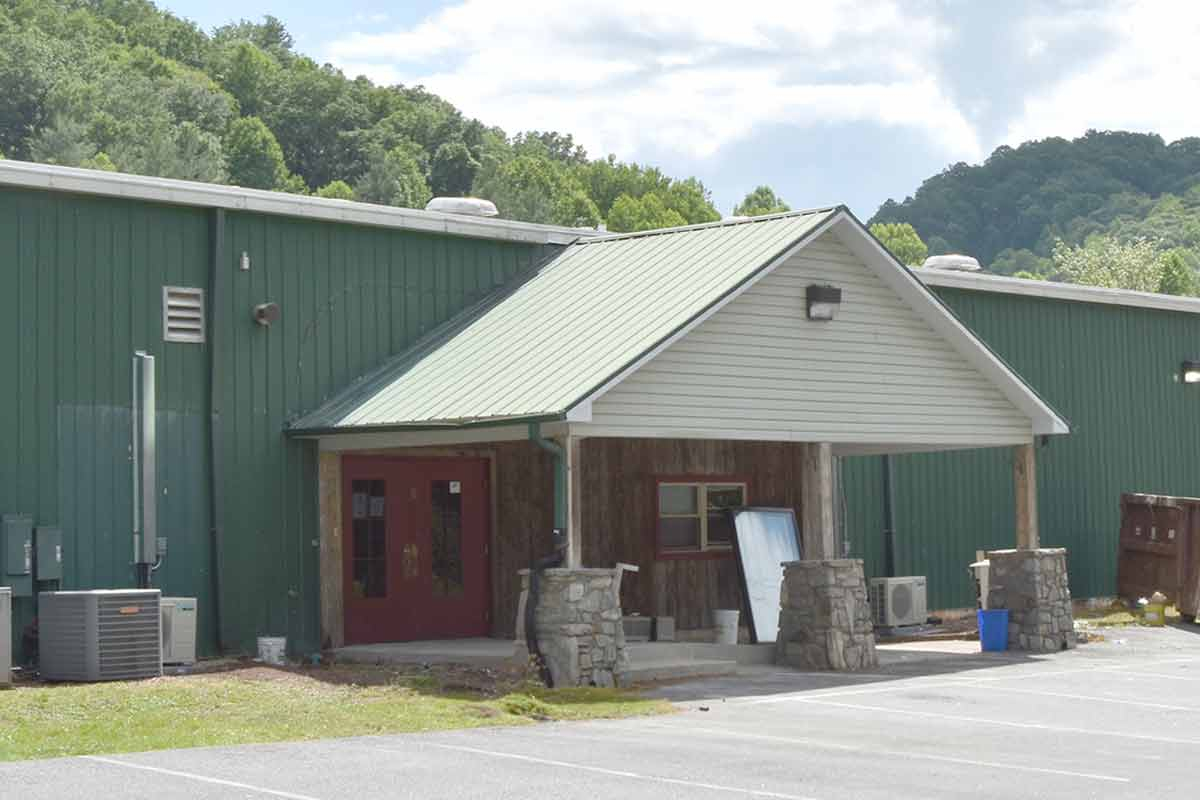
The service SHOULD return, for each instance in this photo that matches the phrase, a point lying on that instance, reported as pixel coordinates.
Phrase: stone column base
(825, 616)
(1033, 586)
(578, 625)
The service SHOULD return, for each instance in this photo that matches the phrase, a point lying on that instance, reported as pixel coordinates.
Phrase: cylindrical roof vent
(469, 206)
(953, 261)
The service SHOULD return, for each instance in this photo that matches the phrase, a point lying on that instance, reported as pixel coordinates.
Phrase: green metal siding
(350, 298)
(1111, 371)
(80, 290)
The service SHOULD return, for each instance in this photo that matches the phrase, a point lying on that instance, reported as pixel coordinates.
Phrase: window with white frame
(692, 516)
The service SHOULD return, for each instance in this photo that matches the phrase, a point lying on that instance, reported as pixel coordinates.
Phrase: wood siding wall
(619, 510)
(618, 519)
(758, 369)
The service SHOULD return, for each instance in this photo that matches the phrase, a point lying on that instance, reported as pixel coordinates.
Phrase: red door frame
(409, 610)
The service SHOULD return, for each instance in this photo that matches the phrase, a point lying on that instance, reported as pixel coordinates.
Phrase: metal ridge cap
(721, 223)
(236, 198)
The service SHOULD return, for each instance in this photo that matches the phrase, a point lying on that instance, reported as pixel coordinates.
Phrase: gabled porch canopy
(551, 345)
(702, 333)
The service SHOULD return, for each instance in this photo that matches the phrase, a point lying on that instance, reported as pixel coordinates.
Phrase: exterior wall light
(823, 302)
(1190, 370)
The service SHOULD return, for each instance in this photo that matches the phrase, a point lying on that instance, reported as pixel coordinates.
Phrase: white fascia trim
(1044, 420)
(235, 198)
(385, 440)
(729, 298)
(1051, 290)
(847, 445)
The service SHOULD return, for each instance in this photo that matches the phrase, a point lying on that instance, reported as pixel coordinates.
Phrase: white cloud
(1146, 80)
(684, 77)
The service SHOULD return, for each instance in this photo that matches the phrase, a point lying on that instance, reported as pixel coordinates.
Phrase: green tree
(762, 200)
(393, 178)
(63, 142)
(1106, 261)
(30, 65)
(336, 190)
(452, 170)
(644, 213)
(1178, 277)
(536, 189)
(902, 241)
(253, 156)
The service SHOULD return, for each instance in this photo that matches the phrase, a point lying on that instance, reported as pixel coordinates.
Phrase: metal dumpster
(1159, 549)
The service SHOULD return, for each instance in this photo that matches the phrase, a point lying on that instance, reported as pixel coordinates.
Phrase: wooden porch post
(574, 503)
(1025, 483)
(816, 499)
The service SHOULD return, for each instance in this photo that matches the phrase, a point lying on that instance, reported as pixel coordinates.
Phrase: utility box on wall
(17, 532)
(48, 554)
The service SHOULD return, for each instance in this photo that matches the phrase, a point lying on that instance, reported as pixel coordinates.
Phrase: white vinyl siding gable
(759, 369)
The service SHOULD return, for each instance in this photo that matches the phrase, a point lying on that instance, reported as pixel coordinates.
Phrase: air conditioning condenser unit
(898, 601)
(100, 635)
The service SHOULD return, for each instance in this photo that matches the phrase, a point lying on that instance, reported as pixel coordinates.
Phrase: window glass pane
(675, 498)
(368, 512)
(446, 535)
(679, 533)
(720, 530)
(725, 497)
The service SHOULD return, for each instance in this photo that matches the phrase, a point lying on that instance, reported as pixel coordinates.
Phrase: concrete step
(650, 671)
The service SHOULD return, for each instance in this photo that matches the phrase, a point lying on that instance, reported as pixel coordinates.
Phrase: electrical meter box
(17, 532)
(48, 553)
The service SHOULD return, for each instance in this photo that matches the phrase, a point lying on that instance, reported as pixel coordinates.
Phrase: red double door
(415, 550)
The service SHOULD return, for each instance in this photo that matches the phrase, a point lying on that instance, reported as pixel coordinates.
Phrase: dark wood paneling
(619, 477)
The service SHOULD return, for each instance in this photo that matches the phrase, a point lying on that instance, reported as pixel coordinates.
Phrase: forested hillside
(1111, 189)
(120, 84)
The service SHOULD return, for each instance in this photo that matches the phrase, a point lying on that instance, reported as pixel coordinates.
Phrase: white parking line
(614, 772)
(202, 778)
(875, 751)
(1002, 723)
(1092, 698)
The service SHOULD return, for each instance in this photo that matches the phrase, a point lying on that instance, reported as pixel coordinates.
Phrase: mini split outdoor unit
(100, 635)
(898, 601)
(179, 630)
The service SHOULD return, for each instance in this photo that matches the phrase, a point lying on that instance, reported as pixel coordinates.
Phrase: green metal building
(86, 259)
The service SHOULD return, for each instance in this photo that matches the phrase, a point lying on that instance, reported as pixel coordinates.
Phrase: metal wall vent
(183, 314)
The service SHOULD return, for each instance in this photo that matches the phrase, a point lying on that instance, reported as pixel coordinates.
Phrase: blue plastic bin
(993, 629)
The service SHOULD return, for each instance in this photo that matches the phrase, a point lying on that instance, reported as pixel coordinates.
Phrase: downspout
(556, 557)
(216, 298)
(889, 519)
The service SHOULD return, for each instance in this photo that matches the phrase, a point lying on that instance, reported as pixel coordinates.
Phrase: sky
(827, 101)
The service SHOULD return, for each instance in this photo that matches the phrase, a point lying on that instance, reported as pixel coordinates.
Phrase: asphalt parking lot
(1119, 718)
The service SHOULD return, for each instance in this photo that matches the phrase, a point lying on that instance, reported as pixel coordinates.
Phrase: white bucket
(726, 622)
(272, 650)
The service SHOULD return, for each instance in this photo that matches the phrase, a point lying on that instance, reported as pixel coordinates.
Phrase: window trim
(693, 480)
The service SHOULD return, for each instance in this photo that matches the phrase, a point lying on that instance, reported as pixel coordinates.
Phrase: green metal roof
(543, 346)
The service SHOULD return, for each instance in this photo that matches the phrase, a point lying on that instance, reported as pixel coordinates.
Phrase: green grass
(44, 721)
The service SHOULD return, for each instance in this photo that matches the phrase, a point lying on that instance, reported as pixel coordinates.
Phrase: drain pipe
(555, 558)
(216, 507)
(889, 519)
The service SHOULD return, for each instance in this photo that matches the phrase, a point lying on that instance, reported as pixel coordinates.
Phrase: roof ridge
(721, 223)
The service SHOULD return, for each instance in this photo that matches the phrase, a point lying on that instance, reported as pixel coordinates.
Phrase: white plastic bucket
(726, 622)
(272, 650)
